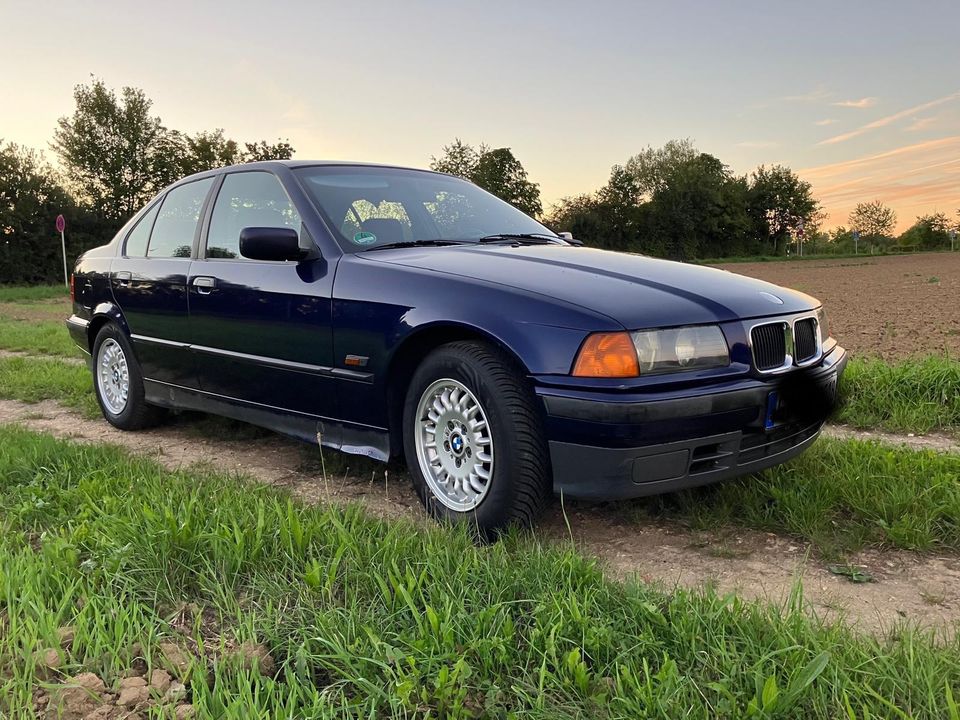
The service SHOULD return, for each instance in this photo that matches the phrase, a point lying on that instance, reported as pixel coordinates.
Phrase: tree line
(114, 156)
(674, 201)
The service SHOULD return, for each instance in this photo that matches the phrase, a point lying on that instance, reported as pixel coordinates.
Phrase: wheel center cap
(456, 442)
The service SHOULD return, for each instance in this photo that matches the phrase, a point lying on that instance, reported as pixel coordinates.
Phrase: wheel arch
(412, 351)
(102, 314)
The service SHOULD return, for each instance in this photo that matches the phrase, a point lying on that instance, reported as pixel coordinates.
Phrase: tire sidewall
(493, 511)
(127, 419)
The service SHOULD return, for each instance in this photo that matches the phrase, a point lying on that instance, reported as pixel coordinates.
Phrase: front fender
(378, 308)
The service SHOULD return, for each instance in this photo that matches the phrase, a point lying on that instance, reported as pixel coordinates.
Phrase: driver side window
(247, 199)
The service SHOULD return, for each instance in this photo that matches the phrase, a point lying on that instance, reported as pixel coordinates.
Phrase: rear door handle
(123, 278)
(204, 284)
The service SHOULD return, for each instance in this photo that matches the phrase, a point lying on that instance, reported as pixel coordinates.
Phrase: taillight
(73, 293)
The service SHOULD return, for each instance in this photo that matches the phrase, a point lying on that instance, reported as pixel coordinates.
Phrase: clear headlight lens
(689, 348)
(822, 322)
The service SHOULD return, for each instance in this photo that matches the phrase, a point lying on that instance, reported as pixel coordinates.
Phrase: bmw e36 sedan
(397, 312)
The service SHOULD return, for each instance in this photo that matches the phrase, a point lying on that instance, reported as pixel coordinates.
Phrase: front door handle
(204, 284)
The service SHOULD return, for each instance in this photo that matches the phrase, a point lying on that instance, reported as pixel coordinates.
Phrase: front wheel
(118, 382)
(474, 440)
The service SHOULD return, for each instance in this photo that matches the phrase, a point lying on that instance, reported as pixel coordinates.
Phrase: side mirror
(271, 243)
(568, 236)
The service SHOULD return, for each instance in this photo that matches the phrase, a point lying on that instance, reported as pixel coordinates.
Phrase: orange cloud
(861, 103)
(884, 121)
(913, 180)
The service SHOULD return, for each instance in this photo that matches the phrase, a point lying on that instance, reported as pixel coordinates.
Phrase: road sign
(953, 237)
(61, 226)
(856, 242)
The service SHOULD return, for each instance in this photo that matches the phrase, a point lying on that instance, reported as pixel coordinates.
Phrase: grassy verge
(39, 337)
(24, 293)
(35, 379)
(918, 395)
(842, 495)
(375, 619)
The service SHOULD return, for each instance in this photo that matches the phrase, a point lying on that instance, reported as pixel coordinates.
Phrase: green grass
(918, 395)
(842, 495)
(367, 618)
(35, 379)
(31, 293)
(39, 337)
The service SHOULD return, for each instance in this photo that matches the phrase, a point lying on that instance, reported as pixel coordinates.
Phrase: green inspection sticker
(364, 238)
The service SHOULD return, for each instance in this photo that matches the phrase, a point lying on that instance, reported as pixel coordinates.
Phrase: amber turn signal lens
(607, 355)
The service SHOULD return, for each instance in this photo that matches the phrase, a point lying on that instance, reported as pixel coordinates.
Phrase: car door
(261, 331)
(149, 282)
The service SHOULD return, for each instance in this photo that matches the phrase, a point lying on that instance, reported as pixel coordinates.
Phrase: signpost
(953, 237)
(856, 242)
(61, 226)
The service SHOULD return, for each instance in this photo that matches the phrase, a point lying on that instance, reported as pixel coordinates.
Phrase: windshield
(368, 207)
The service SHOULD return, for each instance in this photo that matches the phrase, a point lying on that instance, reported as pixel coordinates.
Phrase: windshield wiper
(529, 238)
(414, 243)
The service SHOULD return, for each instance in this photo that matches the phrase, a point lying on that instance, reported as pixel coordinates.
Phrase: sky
(861, 98)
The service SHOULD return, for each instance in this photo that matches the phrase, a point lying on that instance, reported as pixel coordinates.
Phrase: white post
(63, 247)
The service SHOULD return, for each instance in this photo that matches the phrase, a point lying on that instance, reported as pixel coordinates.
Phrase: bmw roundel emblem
(771, 297)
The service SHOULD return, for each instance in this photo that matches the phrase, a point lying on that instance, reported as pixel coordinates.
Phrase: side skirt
(372, 442)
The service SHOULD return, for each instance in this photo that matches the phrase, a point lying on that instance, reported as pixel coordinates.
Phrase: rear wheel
(118, 382)
(474, 440)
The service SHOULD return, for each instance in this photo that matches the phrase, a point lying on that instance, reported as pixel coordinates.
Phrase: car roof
(273, 164)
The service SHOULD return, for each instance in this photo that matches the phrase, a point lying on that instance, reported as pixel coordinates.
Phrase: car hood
(635, 290)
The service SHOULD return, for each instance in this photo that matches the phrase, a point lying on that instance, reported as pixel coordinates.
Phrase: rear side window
(176, 224)
(247, 199)
(137, 239)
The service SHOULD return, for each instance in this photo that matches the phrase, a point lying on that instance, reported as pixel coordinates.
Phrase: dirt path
(933, 441)
(920, 589)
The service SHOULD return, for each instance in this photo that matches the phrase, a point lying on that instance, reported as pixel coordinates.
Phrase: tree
(929, 232)
(874, 220)
(114, 152)
(500, 173)
(652, 168)
(31, 197)
(262, 150)
(780, 204)
(458, 158)
(497, 171)
(206, 151)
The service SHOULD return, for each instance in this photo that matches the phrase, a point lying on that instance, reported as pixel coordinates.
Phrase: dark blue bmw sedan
(387, 311)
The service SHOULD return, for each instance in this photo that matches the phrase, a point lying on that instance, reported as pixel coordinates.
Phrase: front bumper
(609, 449)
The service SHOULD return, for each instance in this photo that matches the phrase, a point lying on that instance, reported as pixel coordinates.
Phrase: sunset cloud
(861, 103)
(913, 179)
(920, 124)
(825, 121)
(815, 95)
(889, 119)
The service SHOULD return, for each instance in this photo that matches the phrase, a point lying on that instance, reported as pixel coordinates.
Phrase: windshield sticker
(364, 238)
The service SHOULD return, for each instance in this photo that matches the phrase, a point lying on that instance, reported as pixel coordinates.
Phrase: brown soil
(920, 589)
(891, 307)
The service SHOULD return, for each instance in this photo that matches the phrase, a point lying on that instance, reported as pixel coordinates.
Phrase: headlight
(689, 348)
(822, 322)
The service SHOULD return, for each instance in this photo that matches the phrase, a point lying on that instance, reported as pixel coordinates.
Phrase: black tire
(520, 483)
(137, 414)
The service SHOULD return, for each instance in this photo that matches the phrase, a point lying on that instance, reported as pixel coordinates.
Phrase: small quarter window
(248, 199)
(176, 224)
(138, 237)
